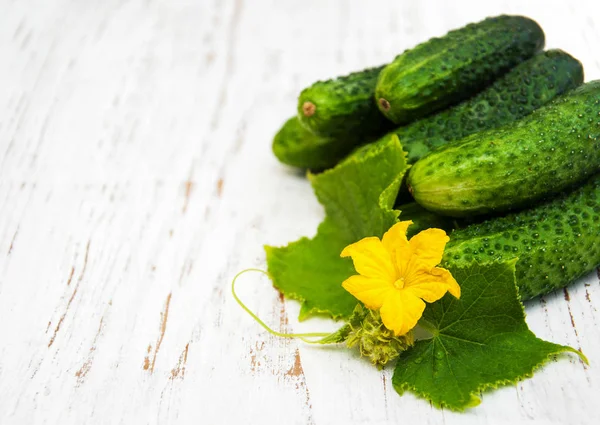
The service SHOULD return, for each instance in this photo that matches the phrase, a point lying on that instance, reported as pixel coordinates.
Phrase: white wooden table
(136, 179)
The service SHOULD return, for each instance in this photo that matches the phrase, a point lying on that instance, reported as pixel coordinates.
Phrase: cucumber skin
(296, 146)
(446, 70)
(515, 165)
(344, 106)
(516, 94)
(556, 242)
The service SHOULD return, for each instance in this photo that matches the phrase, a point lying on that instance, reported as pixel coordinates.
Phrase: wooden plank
(136, 179)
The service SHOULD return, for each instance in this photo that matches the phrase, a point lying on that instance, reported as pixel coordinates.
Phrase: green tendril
(302, 336)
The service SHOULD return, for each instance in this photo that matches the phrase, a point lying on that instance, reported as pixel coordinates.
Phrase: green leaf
(358, 196)
(479, 341)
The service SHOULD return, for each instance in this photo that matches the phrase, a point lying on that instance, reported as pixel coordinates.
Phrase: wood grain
(136, 179)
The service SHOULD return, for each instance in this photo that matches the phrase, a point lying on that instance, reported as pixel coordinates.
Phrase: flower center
(399, 283)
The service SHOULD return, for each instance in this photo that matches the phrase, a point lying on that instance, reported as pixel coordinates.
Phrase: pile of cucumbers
(500, 134)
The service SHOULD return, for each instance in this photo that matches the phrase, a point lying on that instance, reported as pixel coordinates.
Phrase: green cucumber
(446, 70)
(516, 94)
(556, 242)
(343, 107)
(299, 147)
(515, 165)
(296, 146)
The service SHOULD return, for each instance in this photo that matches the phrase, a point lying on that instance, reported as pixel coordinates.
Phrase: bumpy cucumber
(516, 94)
(296, 146)
(343, 107)
(446, 70)
(517, 164)
(555, 242)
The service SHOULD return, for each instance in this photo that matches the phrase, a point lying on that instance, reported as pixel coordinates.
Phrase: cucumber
(446, 70)
(516, 94)
(510, 167)
(296, 146)
(556, 242)
(343, 107)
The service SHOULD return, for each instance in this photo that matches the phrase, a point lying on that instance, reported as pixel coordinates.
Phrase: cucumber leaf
(358, 196)
(479, 341)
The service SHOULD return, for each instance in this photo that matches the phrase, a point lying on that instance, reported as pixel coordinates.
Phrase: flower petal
(453, 286)
(395, 241)
(371, 259)
(401, 311)
(431, 285)
(396, 236)
(372, 292)
(429, 246)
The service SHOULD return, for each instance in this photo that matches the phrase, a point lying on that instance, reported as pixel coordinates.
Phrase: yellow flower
(396, 275)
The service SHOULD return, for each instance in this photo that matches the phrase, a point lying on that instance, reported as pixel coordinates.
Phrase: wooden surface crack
(82, 372)
(179, 370)
(164, 317)
(12, 241)
(73, 294)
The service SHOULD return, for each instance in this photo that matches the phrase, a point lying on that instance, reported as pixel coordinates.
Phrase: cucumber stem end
(385, 105)
(308, 108)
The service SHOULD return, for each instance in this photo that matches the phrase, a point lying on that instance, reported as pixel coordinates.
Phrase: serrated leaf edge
(475, 400)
